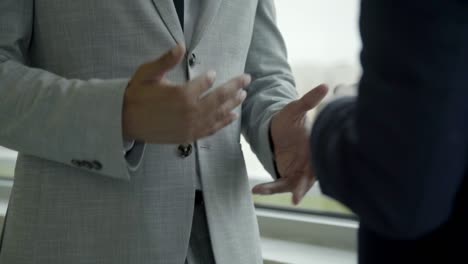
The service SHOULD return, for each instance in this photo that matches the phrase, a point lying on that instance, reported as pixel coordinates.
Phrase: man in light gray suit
(144, 169)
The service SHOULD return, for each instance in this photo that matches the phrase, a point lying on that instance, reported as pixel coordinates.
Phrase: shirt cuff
(128, 145)
(272, 147)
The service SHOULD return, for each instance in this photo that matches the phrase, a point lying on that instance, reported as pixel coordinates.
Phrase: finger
(201, 84)
(156, 69)
(219, 125)
(227, 108)
(227, 92)
(308, 181)
(302, 187)
(279, 186)
(311, 99)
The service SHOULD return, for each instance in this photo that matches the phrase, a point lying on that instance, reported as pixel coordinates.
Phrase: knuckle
(223, 95)
(225, 112)
(239, 82)
(221, 113)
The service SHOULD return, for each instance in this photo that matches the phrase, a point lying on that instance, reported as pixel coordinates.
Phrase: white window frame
(303, 236)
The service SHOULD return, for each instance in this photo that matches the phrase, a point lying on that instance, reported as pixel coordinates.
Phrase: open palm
(291, 138)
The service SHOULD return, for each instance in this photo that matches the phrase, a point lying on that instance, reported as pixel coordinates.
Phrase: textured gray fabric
(192, 13)
(64, 66)
(200, 250)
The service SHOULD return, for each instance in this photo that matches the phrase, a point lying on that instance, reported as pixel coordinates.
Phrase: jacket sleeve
(272, 87)
(58, 119)
(396, 155)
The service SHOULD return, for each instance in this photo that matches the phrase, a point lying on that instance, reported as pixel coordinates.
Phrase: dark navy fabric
(397, 155)
(179, 5)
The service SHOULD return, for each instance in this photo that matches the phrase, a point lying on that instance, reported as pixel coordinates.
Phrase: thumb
(159, 67)
(312, 98)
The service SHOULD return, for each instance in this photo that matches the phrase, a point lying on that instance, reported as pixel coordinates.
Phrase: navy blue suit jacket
(397, 155)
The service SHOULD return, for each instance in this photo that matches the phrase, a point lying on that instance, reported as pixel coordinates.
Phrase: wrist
(272, 147)
(127, 119)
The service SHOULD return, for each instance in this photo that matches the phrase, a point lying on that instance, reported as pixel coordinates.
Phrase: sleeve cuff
(324, 138)
(103, 132)
(276, 174)
(133, 152)
(134, 156)
(264, 146)
(128, 145)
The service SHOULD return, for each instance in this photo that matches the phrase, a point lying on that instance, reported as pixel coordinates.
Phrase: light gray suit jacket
(64, 67)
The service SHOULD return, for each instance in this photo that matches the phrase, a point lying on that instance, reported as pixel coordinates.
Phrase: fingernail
(294, 201)
(211, 75)
(324, 88)
(242, 95)
(247, 79)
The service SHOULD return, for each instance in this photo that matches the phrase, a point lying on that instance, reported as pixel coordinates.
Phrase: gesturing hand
(157, 111)
(291, 138)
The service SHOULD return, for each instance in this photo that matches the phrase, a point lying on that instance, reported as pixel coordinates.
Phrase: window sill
(5, 189)
(280, 251)
(305, 238)
(7, 163)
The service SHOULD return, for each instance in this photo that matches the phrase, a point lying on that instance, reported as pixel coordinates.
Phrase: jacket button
(86, 164)
(76, 163)
(185, 150)
(192, 60)
(97, 165)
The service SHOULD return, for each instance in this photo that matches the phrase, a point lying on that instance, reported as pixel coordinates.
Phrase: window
(323, 44)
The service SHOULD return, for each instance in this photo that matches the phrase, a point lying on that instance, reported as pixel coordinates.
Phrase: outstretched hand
(291, 138)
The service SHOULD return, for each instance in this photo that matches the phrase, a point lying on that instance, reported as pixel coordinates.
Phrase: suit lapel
(208, 12)
(168, 13)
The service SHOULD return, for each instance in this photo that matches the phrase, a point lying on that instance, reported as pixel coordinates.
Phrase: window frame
(314, 230)
(308, 229)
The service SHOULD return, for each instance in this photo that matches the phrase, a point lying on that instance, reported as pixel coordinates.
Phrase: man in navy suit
(397, 154)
